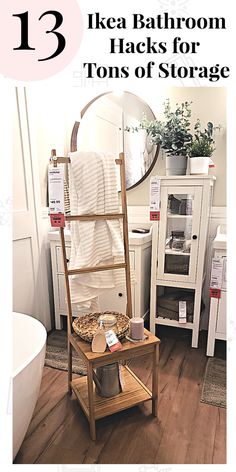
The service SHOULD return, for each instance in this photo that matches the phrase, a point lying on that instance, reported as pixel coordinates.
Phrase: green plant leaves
(203, 143)
(173, 134)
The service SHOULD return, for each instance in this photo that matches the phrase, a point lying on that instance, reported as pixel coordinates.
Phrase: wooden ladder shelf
(136, 392)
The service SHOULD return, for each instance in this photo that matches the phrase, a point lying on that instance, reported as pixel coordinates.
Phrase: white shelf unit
(218, 311)
(114, 299)
(177, 268)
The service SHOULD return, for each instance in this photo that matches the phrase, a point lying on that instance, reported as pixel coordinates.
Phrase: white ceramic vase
(199, 165)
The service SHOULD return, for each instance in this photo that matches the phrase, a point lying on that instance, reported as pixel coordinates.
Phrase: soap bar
(137, 328)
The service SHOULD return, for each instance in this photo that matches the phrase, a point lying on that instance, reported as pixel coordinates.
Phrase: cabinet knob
(67, 260)
(194, 236)
(120, 294)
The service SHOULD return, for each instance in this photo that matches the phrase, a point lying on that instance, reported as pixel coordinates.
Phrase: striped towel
(93, 190)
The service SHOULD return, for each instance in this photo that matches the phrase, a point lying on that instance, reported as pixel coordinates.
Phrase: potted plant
(173, 135)
(201, 149)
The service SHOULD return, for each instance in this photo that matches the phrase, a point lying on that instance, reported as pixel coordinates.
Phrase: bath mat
(56, 353)
(214, 384)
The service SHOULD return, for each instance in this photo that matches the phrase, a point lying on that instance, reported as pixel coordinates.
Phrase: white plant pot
(199, 165)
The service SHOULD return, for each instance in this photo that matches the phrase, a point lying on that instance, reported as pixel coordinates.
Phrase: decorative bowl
(87, 325)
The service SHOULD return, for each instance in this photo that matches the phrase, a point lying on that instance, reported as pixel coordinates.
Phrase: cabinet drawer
(221, 315)
(59, 258)
(113, 300)
(116, 300)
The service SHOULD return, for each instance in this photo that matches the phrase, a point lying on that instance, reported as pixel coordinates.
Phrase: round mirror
(109, 124)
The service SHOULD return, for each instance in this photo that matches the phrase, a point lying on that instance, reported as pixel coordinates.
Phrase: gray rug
(56, 354)
(214, 384)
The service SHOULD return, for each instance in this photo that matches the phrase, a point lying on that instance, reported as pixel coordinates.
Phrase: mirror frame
(74, 135)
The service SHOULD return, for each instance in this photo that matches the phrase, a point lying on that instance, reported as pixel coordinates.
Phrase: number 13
(24, 32)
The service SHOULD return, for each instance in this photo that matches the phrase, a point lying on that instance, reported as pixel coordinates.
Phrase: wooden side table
(134, 391)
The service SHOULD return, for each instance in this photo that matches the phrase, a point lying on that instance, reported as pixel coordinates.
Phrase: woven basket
(87, 325)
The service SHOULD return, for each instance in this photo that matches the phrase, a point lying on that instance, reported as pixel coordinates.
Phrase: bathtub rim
(37, 349)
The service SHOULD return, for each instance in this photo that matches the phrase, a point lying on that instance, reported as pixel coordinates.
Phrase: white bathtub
(29, 345)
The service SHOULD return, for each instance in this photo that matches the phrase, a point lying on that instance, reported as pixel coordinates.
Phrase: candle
(136, 328)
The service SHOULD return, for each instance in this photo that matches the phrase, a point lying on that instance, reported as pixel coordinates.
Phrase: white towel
(93, 190)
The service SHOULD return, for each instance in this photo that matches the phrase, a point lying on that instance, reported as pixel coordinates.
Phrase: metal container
(107, 380)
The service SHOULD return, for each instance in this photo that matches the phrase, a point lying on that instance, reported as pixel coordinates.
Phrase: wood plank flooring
(186, 431)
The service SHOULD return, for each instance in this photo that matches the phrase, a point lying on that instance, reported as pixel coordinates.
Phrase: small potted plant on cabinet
(201, 149)
(173, 135)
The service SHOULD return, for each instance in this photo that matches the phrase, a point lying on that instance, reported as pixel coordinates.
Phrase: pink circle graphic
(41, 29)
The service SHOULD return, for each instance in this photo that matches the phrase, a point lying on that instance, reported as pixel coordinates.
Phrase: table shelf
(129, 350)
(134, 392)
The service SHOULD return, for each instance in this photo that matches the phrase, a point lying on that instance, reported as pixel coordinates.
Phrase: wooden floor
(186, 431)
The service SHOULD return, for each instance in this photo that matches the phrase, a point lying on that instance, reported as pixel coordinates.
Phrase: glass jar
(108, 320)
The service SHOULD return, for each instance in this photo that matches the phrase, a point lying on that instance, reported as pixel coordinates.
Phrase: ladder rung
(96, 268)
(106, 216)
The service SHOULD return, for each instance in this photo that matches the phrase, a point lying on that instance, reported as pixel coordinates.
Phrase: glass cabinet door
(179, 233)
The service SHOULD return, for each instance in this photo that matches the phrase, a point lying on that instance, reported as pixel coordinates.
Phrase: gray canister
(176, 165)
(107, 380)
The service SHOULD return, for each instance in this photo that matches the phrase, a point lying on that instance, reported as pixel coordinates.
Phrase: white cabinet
(115, 299)
(217, 318)
(178, 251)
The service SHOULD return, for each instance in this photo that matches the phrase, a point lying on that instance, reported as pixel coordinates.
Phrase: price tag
(155, 185)
(182, 312)
(215, 292)
(154, 215)
(56, 196)
(112, 341)
(216, 277)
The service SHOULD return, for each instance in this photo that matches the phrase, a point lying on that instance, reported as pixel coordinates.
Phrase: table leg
(155, 362)
(91, 402)
(212, 327)
(69, 348)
